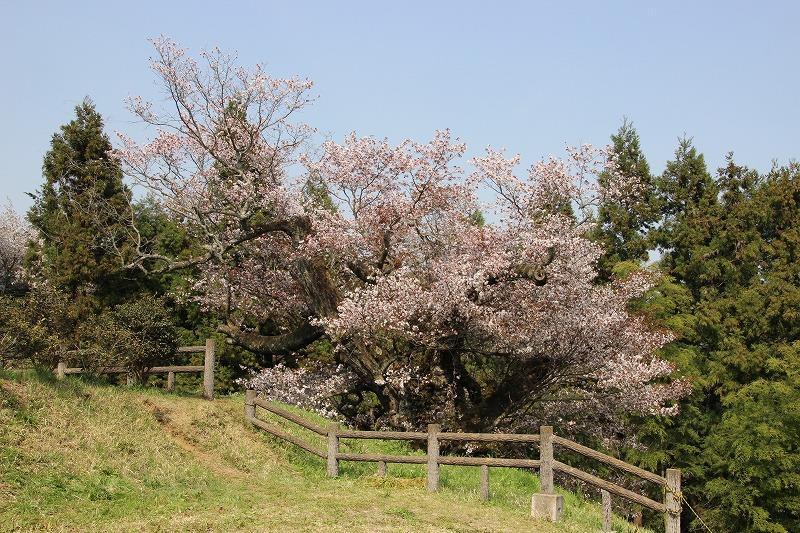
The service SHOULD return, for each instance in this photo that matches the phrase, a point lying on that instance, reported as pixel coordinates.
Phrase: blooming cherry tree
(15, 234)
(431, 314)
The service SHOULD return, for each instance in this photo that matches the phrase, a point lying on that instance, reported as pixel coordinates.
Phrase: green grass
(77, 455)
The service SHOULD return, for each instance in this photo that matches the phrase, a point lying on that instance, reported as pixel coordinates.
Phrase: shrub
(34, 327)
(136, 335)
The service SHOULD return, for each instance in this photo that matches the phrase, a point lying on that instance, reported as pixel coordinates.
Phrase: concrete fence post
(546, 457)
(208, 370)
(485, 482)
(433, 457)
(672, 518)
(606, 496)
(61, 370)
(333, 450)
(546, 504)
(249, 404)
(170, 381)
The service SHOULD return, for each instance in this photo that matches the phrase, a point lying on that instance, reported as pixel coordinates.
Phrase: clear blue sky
(528, 76)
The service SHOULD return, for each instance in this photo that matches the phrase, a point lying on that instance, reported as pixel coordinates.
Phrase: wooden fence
(207, 368)
(545, 504)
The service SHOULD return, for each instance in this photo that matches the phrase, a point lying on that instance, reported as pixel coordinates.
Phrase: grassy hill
(76, 456)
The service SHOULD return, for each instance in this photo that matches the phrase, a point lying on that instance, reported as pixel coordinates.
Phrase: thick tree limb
(284, 344)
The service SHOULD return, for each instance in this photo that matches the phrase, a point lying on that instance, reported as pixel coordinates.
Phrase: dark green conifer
(730, 250)
(623, 225)
(81, 214)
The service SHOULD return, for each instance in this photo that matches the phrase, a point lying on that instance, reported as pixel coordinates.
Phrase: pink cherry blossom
(15, 235)
(497, 325)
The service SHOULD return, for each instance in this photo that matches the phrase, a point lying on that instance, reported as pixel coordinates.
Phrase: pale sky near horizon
(528, 76)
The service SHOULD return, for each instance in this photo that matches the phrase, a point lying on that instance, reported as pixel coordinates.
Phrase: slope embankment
(78, 456)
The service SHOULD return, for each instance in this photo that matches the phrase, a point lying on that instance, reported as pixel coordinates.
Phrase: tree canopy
(431, 314)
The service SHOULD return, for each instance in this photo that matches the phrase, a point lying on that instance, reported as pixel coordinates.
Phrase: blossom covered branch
(431, 312)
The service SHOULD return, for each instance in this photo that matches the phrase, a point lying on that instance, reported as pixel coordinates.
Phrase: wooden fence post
(129, 381)
(61, 370)
(433, 457)
(249, 405)
(485, 482)
(170, 380)
(208, 370)
(606, 510)
(546, 457)
(382, 468)
(672, 518)
(333, 450)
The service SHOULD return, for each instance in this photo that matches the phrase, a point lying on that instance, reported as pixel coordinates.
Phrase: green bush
(32, 327)
(136, 335)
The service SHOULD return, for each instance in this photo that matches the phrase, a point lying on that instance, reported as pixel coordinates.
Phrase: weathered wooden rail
(546, 504)
(207, 368)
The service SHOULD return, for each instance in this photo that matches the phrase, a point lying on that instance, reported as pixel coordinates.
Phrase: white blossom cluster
(311, 387)
(15, 235)
(427, 309)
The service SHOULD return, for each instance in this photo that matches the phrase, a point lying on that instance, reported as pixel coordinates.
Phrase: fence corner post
(606, 496)
(433, 457)
(249, 404)
(61, 370)
(546, 504)
(333, 449)
(485, 483)
(672, 502)
(208, 370)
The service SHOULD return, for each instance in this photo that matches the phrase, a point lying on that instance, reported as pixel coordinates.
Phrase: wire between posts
(679, 495)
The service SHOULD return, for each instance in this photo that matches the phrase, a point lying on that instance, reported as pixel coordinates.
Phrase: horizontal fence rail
(607, 459)
(609, 487)
(154, 370)
(544, 504)
(383, 435)
(288, 415)
(207, 368)
(190, 349)
(489, 461)
(287, 437)
(378, 458)
(490, 437)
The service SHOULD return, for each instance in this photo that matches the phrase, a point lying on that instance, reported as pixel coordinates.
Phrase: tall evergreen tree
(80, 214)
(753, 327)
(623, 225)
(689, 208)
(732, 293)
